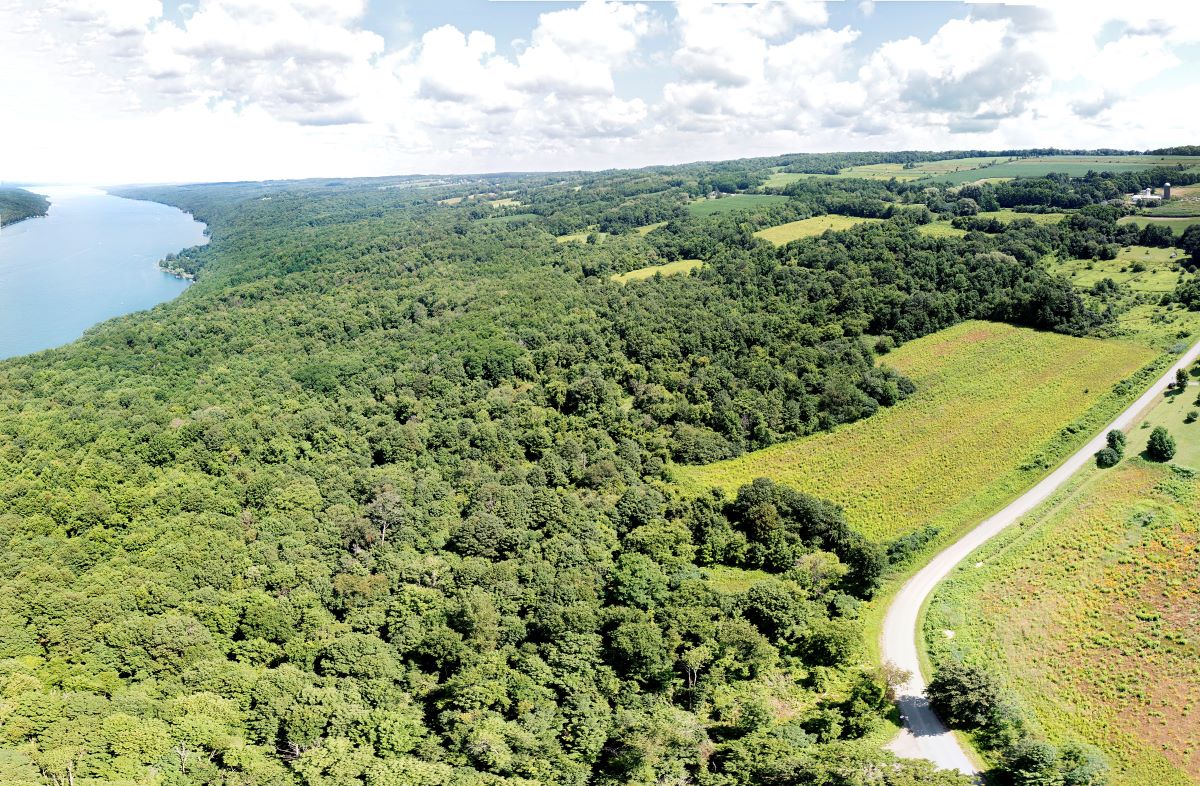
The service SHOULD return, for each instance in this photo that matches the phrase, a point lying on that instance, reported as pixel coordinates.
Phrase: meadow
(958, 171)
(725, 204)
(940, 229)
(995, 407)
(809, 227)
(1143, 269)
(1177, 224)
(1088, 610)
(666, 269)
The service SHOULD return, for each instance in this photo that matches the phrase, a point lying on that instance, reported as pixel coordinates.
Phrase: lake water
(92, 258)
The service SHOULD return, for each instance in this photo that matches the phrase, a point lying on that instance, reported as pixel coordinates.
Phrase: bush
(1107, 457)
(965, 697)
(1161, 446)
(1116, 441)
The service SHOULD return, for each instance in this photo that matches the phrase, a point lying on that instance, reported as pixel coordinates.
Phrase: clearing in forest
(1144, 269)
(667, 269)
(726, 204)
(809, 227)
(1088, 609)
(995, 406)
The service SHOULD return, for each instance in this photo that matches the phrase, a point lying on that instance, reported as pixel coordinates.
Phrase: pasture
(1088, 610)
(1143, 269)
(995, 407)
(727, 204)
(1176, 225)
(666, 269)
(809, 227)
(940, 229)
(1007, 216)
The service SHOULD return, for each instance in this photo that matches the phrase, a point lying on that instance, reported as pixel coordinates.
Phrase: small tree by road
(1161, 446)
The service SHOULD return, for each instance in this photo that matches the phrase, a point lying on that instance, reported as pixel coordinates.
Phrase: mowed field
(970, 170)
(1160, 273)
(667, 269)
(1090, 610)
(1177, 225)
(809, 227)
(995, 407)
(708, 207)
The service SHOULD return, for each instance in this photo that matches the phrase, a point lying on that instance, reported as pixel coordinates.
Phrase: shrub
(1107, 457)
(1161, 446)
(1116, 441)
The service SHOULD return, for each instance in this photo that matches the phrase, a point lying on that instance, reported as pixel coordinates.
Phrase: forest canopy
(17, 204)
(384, 498)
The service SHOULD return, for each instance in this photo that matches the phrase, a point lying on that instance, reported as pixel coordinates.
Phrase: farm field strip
(1176, 224)
(708, 207)
(990, 410)
(666, 269)
(1088, 610)
(809, 227)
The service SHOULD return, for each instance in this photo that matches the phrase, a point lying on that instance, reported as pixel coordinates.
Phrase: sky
(136, 91)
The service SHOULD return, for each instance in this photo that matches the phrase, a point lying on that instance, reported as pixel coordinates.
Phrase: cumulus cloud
(599, 83)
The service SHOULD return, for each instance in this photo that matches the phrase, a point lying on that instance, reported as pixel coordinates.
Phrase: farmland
(667, 269)
(940, 229)
(995, 406)
(809, 227)
(1177, 225)
(958, 171)
(1088, 610)
(1142, 269)
(708, 207)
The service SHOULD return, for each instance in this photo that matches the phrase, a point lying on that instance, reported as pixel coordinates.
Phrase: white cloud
(115, 90)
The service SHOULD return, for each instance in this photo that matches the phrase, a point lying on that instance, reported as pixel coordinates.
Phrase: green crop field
(940, 229)
(987, 419)
(958, 171)
(667, 269)
(809, 227)
(1160, 273)
(708, 207)
(1177, 225)
(1088, 610)
(1006, 215)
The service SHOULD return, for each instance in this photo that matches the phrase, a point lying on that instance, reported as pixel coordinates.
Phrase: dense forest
(385, 499)
(17, 204)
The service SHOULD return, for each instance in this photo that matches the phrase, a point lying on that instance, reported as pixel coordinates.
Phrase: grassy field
(1160, 275)
(809, 227)
(1007, 216)
(515, 218)
(995, 407)
(708, 207)
(1177, 225)
(668, 269)
(1089, 610)
(940, 229)
(969, 170)
(1072, 165)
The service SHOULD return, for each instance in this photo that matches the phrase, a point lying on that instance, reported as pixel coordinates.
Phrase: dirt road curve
(923, 735)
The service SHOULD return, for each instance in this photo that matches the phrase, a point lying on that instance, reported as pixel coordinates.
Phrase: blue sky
(109, 91)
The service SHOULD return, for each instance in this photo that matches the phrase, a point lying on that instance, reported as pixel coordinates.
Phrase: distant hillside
(17, 204)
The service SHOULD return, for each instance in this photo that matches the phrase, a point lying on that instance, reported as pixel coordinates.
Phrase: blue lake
(92, 258)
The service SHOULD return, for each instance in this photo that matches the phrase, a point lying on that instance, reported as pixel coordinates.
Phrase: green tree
(964, 696)
(1161, 445)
